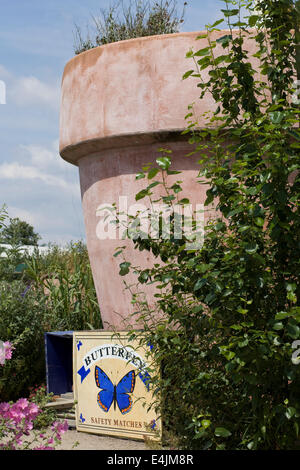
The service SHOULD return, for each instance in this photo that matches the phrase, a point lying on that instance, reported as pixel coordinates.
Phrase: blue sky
(36, 41)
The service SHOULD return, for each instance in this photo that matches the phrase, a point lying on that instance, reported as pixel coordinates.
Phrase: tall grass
(65, 276)
(55, 292)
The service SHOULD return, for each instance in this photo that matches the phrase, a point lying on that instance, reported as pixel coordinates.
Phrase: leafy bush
(229, 312)
(55, 293)
(18, 420)
(40, 397)
(24, 318)
(138, 19)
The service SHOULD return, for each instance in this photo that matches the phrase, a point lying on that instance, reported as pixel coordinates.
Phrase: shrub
(24, 318)
(230, 311)
(40, 397)
(137, 20)
(17, 421)
(55, 293)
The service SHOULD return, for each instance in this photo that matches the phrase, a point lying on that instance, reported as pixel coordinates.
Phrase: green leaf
(209, 198)
(206, 423)
(293, 331)
(294, 133)
(141, 194)
(290, 412)
(276, 117)
(184, 201)
(203, 52)
(251, 248)
(228, 13)
(124, 268)
(152, 185)
(222, 432)
(153, 172)
(225, 39)
(200, 283)
(117, 253)
(187, 74)
(282, 315)
(259, 221)
(216, 23)
(164, 162)
(278, 326)
(253, 20)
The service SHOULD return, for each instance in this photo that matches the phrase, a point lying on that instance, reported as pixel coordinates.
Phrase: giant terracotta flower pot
(120, 103)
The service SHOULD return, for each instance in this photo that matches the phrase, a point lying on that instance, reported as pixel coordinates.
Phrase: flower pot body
(120, 103)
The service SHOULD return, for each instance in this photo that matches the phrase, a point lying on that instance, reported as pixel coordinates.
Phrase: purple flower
(25, 291)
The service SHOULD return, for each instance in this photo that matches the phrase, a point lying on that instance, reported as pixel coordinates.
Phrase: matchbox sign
(111, 382)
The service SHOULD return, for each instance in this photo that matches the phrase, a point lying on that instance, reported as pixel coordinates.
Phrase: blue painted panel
(59, 361)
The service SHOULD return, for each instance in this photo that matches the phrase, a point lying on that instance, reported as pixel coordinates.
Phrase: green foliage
(40, 397)
(139, 19)
(66, 278)
(229, 312)
(8, 263)
(23, 319)
(55, 293)
(19, 232)
(3, 216)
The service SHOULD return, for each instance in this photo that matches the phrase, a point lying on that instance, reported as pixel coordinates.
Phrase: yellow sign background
(106, 347)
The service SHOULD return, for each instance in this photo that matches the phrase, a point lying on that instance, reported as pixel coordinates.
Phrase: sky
(36, 41)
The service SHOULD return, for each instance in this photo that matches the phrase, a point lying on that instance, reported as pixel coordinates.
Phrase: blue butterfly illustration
(115, 393)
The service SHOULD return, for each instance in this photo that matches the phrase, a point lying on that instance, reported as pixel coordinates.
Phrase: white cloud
(43, 158)
(53, 226)
(16, 171)
(42, 189)
(4, 73)
(22, 214)
(32, 91)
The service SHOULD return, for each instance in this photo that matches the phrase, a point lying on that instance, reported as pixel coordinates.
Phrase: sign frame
(109, 370)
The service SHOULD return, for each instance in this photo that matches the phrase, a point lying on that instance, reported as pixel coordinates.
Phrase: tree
(230, 311)
(19, 232)
(3, 216)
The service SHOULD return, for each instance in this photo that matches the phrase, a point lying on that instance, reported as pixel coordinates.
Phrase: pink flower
(8, 348)
(59, 427)
(6, 352)
(16, 421)
(22, 403)
(4, 407)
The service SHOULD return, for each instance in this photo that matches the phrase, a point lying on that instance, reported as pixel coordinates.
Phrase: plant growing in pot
(138, 19)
